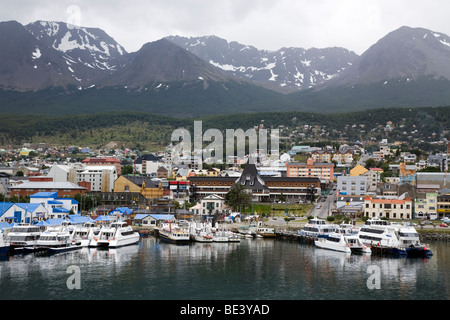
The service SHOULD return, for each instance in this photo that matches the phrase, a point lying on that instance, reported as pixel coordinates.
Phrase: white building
(21, 212)
(352, 185)
(210, 205)
(54, 206)
(101, 178)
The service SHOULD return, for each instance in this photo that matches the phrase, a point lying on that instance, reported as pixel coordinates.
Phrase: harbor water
(254, 269)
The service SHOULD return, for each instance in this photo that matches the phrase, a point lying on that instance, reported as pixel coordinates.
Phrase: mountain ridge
(62, 68)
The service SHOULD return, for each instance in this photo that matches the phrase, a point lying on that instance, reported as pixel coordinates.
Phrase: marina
(254, 268)
(241, 265)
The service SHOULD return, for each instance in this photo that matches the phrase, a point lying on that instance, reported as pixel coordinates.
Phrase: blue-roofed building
(21, 212)
(56, 207)
(121, 211)
(151, 219)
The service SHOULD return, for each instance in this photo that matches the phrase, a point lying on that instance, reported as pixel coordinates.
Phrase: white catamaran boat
(22, 236)
(55, 241)
(118, 234)
(317, 228)
(85, 233)
(379, 233)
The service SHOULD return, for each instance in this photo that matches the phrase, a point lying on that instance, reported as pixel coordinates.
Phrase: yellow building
(143, 185)
(358, 170)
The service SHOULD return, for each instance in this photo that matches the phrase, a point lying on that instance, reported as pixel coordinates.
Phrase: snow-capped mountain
(177, 75)
(161, 62)
(404, 54)
(89, 53)
(26, 64)
(287, 68)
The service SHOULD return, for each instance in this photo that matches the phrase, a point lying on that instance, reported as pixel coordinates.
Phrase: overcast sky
(265, 24)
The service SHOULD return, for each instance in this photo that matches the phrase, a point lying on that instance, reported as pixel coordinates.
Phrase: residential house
(343, 157)
(373, 177)
(162, 172)
(321, 156)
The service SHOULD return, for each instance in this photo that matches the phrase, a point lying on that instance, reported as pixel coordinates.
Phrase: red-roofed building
(390, 208)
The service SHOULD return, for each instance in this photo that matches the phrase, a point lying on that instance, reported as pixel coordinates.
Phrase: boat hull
(421, 251)
(323, 244)
(64, 249)
(4, 250)
(168, 239)
(124, 241)
(203, 239)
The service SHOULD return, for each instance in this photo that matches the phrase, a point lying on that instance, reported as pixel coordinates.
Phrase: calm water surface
(252, 269)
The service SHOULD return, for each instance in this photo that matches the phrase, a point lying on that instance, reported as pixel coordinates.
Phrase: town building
(443, 205)
(358, 170)
(350, 205)
(343, 157)
(46, 184)
(388, 207)
(104, 161)
(148, 164)
(98, 178)
(147, 187)
(311, 169)
(352, 185)
(262, 188)
(209, 206)
(321, 156)
(426, 208)
(407, 173)
(56, 207)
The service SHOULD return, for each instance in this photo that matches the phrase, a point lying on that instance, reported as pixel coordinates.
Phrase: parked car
(442, 224)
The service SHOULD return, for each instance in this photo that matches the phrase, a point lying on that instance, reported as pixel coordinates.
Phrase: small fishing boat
(173, 233)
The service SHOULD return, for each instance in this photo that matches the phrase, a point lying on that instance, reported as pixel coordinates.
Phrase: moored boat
(317, 228)
(335, 241)
(172, 233)
(118, 234)
(266, 232)
(219, 236)
(4, 245)
(202, 236)
(21, 236)
(410, 241)
(381, 236)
